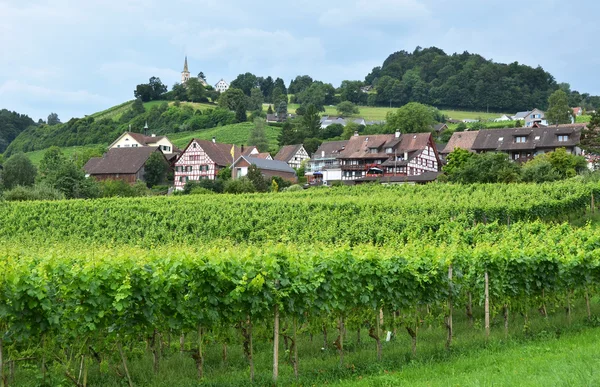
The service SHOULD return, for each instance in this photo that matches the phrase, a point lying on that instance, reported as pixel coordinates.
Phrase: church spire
(185, 66)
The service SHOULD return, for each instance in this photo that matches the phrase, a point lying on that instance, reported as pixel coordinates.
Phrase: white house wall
(194, 158)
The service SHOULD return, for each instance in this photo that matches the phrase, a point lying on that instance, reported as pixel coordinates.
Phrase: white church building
(221, 86)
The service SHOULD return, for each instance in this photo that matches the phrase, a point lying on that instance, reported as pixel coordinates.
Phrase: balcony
(360, 167)
(321, 167)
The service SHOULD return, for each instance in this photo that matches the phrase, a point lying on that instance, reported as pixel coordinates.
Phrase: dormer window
(372, 150)
(500, 138)
(520, 139)
(563, 138)
(537, 138)
(388, 150)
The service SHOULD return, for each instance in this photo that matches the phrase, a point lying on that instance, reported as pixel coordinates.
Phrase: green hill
(229, 134)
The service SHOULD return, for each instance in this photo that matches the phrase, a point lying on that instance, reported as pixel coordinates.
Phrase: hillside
(103, 127)
(465, 81)
(230, 134)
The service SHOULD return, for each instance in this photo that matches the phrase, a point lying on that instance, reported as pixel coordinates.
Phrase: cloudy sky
(77, 57)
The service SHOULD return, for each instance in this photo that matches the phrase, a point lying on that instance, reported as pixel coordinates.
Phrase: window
(537, 138)
(563, 138)
(500, 138)
(388, 150)
(520, 139)
(372, 150)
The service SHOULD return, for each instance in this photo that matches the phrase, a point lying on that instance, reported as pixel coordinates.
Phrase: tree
(138, 107)
(347, 108)
(311, 122)
(559, 111)
(299, 84)
(270, 109)
(410, 118)
(258, 137)
(158, 88)
(18, 170)
(256, 100)
(538, 170)
(280, 92)
(144, 92)
(288, 135)
(179, 92)
(456, 161)
(282, 109)
(488, 168)
(258, 181)
(53, 119)
(240, 114)
(51, 163)
(195, 90)
(266, 87)
(155, 170)
(333, 130)
(351, 91)
(232, 99)
(312, 144)
(245, 82)
(202, 76)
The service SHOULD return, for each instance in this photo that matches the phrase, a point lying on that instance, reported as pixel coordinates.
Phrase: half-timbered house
(203, 159)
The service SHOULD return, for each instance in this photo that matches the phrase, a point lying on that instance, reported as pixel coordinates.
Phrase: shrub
(201, 191)
(238, 186)
(38, 192)
(293, 188)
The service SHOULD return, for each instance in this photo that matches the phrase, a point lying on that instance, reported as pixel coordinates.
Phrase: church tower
(185, 74)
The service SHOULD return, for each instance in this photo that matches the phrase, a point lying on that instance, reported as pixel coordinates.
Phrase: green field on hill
(371, 113)
(237, 134)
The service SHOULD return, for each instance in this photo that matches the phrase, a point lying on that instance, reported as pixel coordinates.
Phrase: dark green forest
(465, 81)
(11, 124)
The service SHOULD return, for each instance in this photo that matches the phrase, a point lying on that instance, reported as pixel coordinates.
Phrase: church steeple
(185, 74)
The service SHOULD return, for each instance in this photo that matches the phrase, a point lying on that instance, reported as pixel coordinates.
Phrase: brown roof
(264, 155)
(463, 140)
(544, 137)
(220, 153)
(143, 139)
(330, 149)
(361, 146)
(120, 160)
(440, 127)
(287, 152)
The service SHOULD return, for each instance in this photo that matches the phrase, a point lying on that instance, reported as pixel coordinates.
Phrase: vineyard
(224, 283)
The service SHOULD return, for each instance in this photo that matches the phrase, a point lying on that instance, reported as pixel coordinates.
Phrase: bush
(38, 192)
(201, 191)
(112, 188)
(238, 186)
(293, 188)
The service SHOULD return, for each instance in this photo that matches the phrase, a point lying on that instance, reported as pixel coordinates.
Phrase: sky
(78, 57)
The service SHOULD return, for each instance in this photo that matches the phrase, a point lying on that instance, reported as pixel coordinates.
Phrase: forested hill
(465, 81)
(11, 124)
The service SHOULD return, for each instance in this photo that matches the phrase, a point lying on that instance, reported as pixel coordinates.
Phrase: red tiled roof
(287, 152)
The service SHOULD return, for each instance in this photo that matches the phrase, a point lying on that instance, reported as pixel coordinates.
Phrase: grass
(370, 113)
(195, 105)
(230, 134)
(114, 112)
(36, 156)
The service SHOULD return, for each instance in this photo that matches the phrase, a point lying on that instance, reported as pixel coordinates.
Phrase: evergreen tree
(559, 111)
(288, 135)
(311, 122)
(258, 136)
(155, 170)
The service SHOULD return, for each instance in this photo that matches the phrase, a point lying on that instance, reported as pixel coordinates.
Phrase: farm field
(165, 290)
(371, 113)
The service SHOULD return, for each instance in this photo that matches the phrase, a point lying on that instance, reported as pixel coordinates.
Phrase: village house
(383, 155)
(462, 140)
(439, 128)
(324, 165)
(521, 144)
(293, 155)
(268, 168)
(276, 117)
(135, 140)
(532, 117)
(330, 120)
(222, 86)
(503, 118)
(203, 159)
(577, 111)
(125, 164)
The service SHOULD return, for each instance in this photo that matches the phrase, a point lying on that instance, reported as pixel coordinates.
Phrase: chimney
(397, 134)
(214, 140)
(356, 133)
(242, 148)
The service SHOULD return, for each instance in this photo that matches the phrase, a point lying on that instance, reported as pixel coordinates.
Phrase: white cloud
(120, 71)
(375, 12)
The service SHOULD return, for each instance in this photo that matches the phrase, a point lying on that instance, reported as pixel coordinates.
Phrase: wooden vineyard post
(449, 318)
(592, 204)
(487, 306)
(587, 304)
(276, 345)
